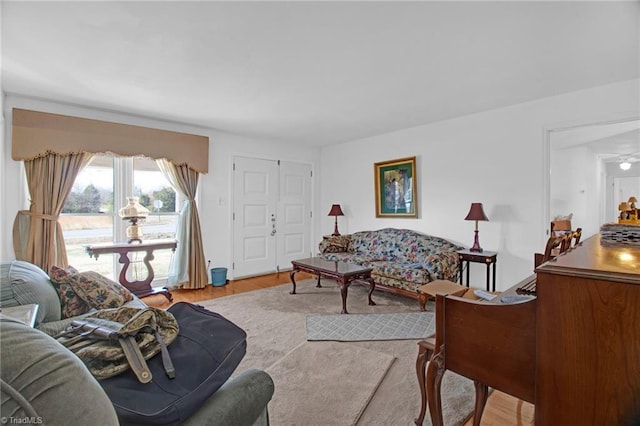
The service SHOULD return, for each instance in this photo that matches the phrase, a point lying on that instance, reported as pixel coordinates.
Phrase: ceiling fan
(625, 161)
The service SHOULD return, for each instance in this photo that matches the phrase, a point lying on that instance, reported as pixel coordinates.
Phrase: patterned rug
(363, 327)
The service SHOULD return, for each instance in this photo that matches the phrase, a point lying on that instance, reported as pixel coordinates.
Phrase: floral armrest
(335, 244)
(443, 266)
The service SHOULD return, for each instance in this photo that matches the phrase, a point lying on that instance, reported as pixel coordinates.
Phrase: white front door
(294, 214)
(255, 195)
(272, 215)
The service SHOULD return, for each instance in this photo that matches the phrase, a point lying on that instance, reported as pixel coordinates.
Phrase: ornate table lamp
(624, 207)
(633, 212)
(336, 211)
(476, 213)
(133, 212)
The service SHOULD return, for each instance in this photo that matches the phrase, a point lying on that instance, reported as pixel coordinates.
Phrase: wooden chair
(557, 244)
(565, 243)
(560, 227)
(577, 234)
(492, 344)
(553, 246)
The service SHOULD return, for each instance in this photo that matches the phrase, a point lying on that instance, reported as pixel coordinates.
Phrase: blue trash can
(218, 276)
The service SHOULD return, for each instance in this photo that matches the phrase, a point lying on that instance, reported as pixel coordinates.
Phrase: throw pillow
(99, 291)
(71, 304)
(339, 244)
(59, 275)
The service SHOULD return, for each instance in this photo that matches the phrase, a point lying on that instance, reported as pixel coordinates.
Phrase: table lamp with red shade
(476, 213)
(335, 211)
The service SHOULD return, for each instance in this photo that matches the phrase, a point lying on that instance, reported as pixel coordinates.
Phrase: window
(90, 214)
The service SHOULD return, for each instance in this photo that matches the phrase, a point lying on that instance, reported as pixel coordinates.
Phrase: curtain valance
(36, 133)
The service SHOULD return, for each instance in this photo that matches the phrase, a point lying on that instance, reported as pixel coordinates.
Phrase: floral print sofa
(402, 259)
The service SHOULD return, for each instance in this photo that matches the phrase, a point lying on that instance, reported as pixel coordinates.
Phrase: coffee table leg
(372, 284)
(318, 285)
(344, 288)
(293, 281)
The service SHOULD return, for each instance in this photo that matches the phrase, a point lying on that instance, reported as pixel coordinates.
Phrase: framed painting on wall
(395, 183)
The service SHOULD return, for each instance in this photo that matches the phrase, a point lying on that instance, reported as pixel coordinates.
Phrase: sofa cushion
(23, 283)
(45, 379)
(443, 266)
(410, 272)
(379, 245)
(70, 301)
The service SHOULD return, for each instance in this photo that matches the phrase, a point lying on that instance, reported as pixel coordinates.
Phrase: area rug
(309, 385)
(275, 324)
(362, 327)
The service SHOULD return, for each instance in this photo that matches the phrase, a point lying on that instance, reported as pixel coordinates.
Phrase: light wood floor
(501, 409)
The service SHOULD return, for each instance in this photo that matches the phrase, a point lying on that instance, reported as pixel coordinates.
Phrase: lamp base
(134, 232)
(335, 229)
(476, 243)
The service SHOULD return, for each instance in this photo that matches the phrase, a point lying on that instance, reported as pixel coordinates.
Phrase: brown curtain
(188, 267)
(37, 233)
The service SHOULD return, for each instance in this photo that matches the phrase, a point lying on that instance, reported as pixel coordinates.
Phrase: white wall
(215, 218)
(576, 188)
(497, 157)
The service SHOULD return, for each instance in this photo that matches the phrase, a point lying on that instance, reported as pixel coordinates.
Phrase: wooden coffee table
(344, 274)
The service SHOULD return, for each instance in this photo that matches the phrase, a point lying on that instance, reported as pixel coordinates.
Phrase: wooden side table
(139, 288)
(489, 258)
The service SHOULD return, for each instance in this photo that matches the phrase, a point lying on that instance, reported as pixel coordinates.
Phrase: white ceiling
(612, 142)
(313, 72)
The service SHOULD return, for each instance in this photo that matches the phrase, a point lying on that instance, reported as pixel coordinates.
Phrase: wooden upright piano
(584, 332)
(588, 337)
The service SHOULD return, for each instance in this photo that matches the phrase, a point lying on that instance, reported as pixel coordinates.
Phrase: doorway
(271, 215)
(582, 163)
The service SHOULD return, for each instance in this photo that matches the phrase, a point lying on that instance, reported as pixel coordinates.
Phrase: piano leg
(482, 393)
(435, 371)
(425, 350)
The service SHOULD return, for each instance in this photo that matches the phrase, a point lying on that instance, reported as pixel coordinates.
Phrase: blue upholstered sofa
(402, 259)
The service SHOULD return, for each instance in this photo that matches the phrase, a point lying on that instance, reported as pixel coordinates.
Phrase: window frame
(123, 186)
